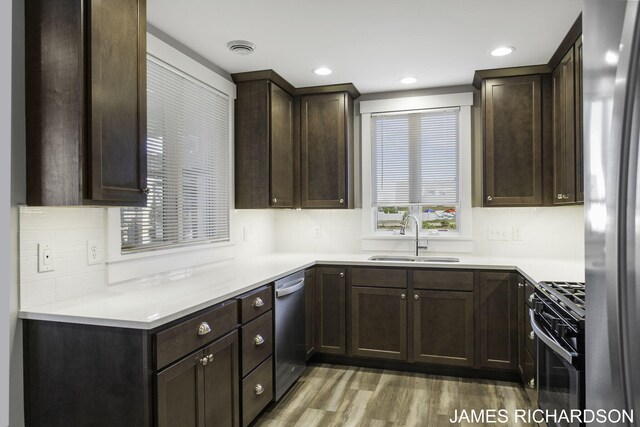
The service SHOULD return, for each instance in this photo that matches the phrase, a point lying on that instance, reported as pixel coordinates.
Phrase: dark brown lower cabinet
(379, 322)
(202, 389)
(443, 327)
(498, 316)
(330, 310)
(310, 309)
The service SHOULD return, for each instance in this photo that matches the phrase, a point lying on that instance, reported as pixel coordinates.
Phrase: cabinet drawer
(257, 391)
(379, 277)
(443, 280)
(257, 342)
(255, 303)
(183, 338)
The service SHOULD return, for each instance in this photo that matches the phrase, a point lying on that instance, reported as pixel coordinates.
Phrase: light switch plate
(46, 257)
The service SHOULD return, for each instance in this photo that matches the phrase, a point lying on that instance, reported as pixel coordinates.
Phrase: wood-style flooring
(330, 395)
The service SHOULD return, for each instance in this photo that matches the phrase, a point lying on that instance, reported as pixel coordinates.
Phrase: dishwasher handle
(290, 288)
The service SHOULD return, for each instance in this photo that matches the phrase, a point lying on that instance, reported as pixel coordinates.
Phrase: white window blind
(415, 157)
(187, 164)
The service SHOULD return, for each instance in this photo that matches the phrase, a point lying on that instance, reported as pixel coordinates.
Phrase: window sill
(455, 237)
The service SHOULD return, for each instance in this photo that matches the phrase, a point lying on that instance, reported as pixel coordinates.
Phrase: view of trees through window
(432, 218)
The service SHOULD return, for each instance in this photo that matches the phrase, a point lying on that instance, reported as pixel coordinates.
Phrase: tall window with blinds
(416, 168)
(188, 164)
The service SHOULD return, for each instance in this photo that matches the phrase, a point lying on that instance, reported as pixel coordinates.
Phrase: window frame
(188, 66)
(464, 101)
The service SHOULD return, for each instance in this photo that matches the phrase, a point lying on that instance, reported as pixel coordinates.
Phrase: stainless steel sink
(406, 258)
(393, 258)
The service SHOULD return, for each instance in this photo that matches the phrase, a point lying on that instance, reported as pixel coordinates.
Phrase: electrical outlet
(94, 254)
(497, 233)
(317, 232)
(46, 257)
(517, 234)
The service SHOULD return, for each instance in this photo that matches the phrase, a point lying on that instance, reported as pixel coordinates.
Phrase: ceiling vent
(241, 47)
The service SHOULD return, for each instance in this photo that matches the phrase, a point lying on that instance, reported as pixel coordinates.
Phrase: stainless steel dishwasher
(290, 331)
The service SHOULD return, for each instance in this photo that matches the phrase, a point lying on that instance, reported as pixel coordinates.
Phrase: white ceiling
(371, 43)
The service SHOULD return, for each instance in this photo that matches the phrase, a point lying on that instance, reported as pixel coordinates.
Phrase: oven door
(560, 383)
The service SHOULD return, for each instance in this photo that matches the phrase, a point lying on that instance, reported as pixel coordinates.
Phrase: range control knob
(561, 329)
(538, 307)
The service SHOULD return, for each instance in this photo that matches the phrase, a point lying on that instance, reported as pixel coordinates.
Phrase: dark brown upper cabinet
(326, 150)
(264, 142)
(564, 152)
(86, 124)
(512, 141)
(579, 122)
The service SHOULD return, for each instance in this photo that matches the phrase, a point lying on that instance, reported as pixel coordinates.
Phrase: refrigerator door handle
(627, 96)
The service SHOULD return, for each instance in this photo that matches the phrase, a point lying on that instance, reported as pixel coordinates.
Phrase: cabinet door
(323, 150)
(512, 141)
(379, 322)
(523, 310)
(180, 393)
(221, 383)
(579, 122)
(564, 131)
(310, 310)
(443, 327)
(117, 102)
(498, 320)
(330, 310)
(281, 173)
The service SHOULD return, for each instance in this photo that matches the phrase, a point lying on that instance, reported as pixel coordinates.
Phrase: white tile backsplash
(555, 232)
(68, 229)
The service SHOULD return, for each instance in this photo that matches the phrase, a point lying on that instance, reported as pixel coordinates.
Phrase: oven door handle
(550, 342)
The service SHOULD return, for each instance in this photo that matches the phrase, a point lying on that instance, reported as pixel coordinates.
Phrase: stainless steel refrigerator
(612, 203)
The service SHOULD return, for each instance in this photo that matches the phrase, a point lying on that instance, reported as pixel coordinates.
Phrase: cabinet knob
(257, 302)
(259, 389)
(531, 335)
(489, 198)
(258, 340)
(532, 297)
(341, 275)
(145, 190)
(341, 201)
(204, 328)
(275, 200)
(532, 383)
(403, 296)
(521, 285)
(204, 361)
(416, 297)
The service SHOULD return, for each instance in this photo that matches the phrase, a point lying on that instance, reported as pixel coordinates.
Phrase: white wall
(550, 232)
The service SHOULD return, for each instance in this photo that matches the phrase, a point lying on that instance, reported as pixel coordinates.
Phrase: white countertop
(144, 306)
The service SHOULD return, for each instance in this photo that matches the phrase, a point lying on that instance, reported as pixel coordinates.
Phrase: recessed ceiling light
(322, 71)
(408, 80)
(502, 50)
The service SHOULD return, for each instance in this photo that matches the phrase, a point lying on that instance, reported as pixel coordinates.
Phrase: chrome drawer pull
(258, 302)
(532, 383)
(204, 328)
(531, 335)
(532, 297)
(259, 389)
(258, 340)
